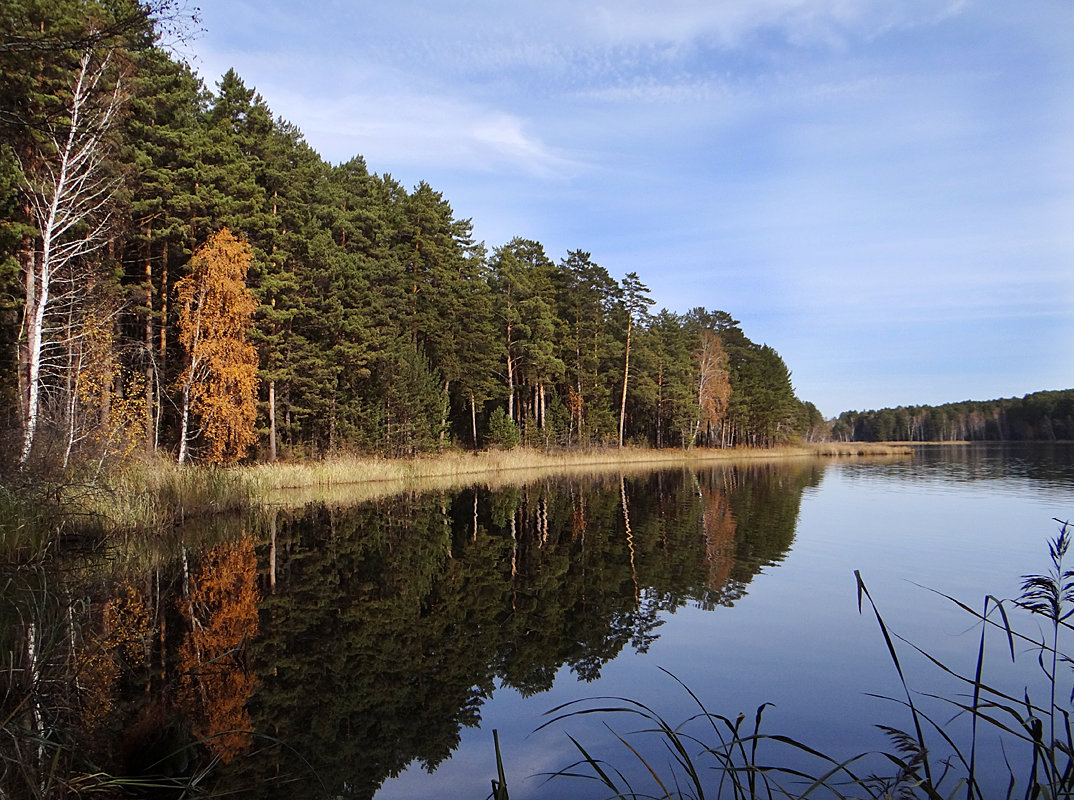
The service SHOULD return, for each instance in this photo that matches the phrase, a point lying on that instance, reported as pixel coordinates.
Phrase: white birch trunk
(66, 188)
(272, 421)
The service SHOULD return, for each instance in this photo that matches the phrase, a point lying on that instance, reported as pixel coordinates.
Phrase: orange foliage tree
(219, 384)
(713, 383)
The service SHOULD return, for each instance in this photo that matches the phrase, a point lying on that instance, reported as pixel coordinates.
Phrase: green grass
(28, 528)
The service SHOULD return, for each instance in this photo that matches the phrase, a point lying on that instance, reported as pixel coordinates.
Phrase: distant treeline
(1046, 416)
(346, 312)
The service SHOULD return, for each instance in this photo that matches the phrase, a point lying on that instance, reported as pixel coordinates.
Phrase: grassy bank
(492, 463)
(354, 479)
(157, 494)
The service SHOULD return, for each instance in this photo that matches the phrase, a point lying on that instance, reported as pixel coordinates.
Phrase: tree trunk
(70, 387)
(37, 298)
(186, 421)
(444, 412)
(626, 376)
(26, 262)
(147, 269)
(164, 307)
(272, 421)
(510, 388)
(473, 417)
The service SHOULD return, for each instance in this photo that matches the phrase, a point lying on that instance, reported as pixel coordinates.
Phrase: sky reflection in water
(962, 526)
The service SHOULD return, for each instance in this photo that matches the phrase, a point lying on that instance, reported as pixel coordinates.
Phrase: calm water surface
(963, 521)
(371, 650)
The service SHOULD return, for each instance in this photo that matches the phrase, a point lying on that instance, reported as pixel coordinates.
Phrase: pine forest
(182, 273)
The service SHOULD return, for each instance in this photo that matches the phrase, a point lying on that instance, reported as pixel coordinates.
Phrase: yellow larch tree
(713, 383)
(219, 384)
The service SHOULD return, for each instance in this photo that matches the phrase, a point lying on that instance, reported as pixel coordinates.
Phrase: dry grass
(355, 478)
(156, 494)
(862, 449)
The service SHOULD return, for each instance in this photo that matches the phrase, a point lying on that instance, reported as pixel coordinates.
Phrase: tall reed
(714, 756)
(28, 527)
(156, 494)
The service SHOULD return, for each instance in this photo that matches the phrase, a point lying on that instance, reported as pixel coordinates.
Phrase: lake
(371, 650)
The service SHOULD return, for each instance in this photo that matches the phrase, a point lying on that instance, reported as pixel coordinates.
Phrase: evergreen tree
(587, 297)
(636, 303)
(165, 115)
(669, 340)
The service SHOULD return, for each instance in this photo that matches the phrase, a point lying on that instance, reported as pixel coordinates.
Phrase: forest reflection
(322, 650)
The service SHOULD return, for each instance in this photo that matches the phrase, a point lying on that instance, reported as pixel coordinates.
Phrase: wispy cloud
(674, 26)
(416, 130)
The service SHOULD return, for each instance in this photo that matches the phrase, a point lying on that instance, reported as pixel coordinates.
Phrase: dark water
(372, 649)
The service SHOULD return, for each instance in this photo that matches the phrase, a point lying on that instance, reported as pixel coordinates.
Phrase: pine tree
(636, 303)
(521, 281)
(587, 298)
(164, 119)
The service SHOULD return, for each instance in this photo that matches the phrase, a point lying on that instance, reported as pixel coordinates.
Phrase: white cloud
(853, 166)
(415, 130)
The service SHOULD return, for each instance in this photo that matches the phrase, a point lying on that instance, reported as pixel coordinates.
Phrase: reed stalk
(929, 760)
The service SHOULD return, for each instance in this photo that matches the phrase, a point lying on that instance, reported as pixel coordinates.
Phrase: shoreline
(360, 478)
(357, 469)
(157, 495)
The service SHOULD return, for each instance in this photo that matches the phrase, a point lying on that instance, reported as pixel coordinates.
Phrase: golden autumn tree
(713, 383)
(219, 384)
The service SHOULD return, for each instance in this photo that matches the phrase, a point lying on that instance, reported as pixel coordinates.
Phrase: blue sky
(882, 190)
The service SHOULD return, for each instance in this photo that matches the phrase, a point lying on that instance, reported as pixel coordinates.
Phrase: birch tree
(69, 191)
(713, 383)
(219, 384)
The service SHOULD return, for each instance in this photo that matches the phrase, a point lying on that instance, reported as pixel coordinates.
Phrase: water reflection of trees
(345, 643)
(219, 606)
(107, 681)
(417, 607)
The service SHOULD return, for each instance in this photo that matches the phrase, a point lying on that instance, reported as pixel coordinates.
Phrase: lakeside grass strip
(350, 470)
(345, 470)
(350, 479)
(157, 494)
